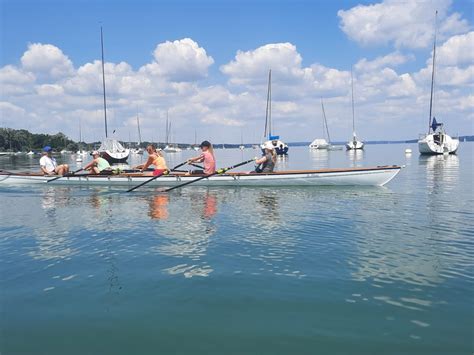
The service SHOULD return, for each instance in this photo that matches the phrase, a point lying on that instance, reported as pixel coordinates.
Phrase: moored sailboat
(281, 148)
(436, 141)
(354, 143)
(169, 147)
(110, 149)
(322, 143)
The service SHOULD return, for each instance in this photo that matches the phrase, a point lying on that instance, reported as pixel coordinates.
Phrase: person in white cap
(97, 165)
(266, 163)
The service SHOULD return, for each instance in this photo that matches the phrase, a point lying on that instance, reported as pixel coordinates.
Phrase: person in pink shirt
(206, 157)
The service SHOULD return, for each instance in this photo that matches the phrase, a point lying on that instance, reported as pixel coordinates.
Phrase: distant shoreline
(13, 140)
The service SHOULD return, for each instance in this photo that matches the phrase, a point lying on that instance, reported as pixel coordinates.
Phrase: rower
(207, 157)
(155, 158)
(49, 165)
(98, 164)
(266, 164)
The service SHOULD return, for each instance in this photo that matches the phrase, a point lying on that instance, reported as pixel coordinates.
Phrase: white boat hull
(281, 148)
(355, 144)
(319, 144)
(438, 144)
(377, 176)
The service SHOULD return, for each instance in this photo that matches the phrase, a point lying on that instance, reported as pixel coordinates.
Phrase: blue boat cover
(272, 138)
(435, 124)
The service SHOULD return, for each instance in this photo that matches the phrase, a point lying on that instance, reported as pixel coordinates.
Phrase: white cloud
(221, 112)
(46, 61)
(251, 67)
(407, 24)
(390, 60)
(457, 50)
(12, 75)
(180, 60)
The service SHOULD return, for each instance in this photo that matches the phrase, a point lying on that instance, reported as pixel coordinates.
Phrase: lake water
(244, 270)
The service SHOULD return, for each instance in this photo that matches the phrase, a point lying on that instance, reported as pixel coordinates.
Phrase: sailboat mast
(353, 115)
(139, 132)
(268, 112)
(103, 79)
(325, 122)
(270, 104)
(433, 73)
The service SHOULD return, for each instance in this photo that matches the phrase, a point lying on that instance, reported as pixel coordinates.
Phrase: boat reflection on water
(185, 229)
(50, 232)
(320, 158)
(416, 246)
(442, 171)
(159, 207)
(356, 157)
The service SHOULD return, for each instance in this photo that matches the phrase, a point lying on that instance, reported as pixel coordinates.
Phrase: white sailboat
(138, 150)
(281, 148)
(241, 146)
(170, 148)
(110, 149)
(436, 141)
(354, 143)
(322, 143)
(80, 153)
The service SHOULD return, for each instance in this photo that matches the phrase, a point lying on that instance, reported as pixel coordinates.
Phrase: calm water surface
(244, 270)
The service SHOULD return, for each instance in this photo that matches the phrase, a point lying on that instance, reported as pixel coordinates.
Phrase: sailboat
(139, 150)
(241, 146)
(80, 153)
(110, 149)
(280, 147)
(195, 146)
(322, 143)
(354, 143)
(436, 141)
(170, 148)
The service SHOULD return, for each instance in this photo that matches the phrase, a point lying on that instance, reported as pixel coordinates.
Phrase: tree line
(21, 140)
(15, 140)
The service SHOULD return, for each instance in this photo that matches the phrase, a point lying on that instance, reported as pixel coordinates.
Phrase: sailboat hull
(280, 147)
(439, 143)
(354, 145)
(319, 144)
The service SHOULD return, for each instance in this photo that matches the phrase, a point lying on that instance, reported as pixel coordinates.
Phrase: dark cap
(47, 149)
(205, 144)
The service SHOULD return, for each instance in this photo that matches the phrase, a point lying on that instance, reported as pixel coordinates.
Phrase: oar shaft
(220, 171)
(65, 175)
(155, 177)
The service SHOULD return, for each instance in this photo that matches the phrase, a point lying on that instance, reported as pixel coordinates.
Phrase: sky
(206, 64)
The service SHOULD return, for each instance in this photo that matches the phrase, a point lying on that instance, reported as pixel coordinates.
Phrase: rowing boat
(373, 176)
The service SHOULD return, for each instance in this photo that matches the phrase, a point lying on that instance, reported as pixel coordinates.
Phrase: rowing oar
(65, 175)
(166, 172)
(197, 166)
(218, 172)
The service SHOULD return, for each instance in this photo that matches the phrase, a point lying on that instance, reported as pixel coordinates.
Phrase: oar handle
(196, 165)
(166, 172)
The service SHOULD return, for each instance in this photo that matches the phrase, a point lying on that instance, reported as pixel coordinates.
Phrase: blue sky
(133, 29)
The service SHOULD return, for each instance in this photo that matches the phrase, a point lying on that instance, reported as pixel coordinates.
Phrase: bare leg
(95, 170)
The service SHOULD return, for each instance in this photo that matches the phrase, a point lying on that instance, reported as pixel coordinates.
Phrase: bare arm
(198, 159)
(90, 165)
(148, 163)
(261, 160)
